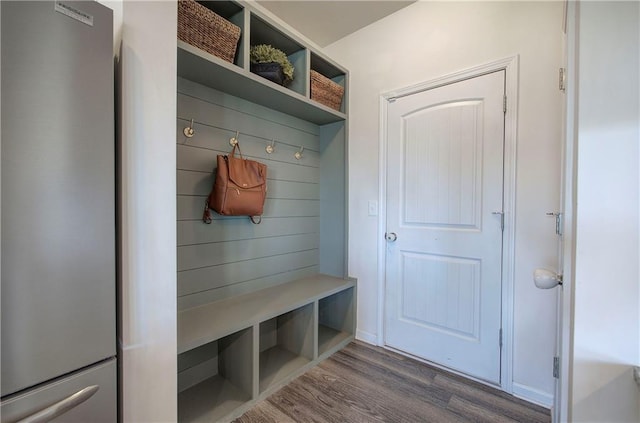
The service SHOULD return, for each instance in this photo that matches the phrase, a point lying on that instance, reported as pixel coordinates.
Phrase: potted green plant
(271, 63)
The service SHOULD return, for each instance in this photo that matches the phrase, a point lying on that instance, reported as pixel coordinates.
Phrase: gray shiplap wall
(232, 256)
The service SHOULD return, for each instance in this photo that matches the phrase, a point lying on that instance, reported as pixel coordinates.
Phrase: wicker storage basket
(206, 30)
(325, 91)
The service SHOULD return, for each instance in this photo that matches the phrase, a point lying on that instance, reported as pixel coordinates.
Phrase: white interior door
(445, 225)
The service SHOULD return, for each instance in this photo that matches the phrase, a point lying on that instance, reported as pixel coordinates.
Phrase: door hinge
(562, 79)
(556, 367)
(559, 221)
(500, 338)
(504, 104)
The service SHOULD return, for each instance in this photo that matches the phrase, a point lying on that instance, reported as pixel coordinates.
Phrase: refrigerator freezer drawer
(97, 408)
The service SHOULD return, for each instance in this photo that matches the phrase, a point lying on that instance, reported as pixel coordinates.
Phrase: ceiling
(324, 22)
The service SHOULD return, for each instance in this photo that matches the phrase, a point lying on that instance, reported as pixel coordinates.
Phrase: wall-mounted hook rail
(298, 154)
(271, 147)
(188, 131)
(234, 140)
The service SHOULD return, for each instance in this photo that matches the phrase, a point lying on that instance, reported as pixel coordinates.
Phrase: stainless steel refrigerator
(58, 212)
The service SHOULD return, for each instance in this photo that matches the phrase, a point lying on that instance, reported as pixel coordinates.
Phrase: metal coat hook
(298, 154)
(188, 131)
(271, 147)
(234, 140)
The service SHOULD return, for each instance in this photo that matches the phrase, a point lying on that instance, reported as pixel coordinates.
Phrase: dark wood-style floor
(363, 383)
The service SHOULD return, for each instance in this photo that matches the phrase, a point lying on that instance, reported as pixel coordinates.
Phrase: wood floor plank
(389, 402)
(364, 383)
(346, 406)
(264, 412)
(513, 408)
(476, 412)
(400, 364)
(381, 375)
(307, 405)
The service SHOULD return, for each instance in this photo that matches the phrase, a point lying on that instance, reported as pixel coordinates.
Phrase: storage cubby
(335, 74)
(215, 368)
(264, 33)
(215, 378)
(286, 345)
(336, 320)
(234, 13)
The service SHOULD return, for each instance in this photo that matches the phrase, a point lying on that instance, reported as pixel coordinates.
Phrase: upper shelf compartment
(236, 78)
(216, 27)
(328, 86)
(264, 33)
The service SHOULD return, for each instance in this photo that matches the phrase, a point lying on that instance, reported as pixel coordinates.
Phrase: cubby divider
(336, 320)
(299, 61)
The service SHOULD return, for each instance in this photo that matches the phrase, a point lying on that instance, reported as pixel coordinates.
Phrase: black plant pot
(271, 71)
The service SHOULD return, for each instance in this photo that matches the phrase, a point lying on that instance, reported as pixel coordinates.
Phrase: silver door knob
(390, 236)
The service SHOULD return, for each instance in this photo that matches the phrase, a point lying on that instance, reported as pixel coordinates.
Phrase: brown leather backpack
(240, 188)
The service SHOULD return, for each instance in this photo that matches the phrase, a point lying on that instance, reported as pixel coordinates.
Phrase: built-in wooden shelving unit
(247, 342)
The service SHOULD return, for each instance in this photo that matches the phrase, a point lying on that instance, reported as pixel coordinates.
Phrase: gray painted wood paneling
(199, 183)
(201, 159)
(193, 232)
(231, 120)
(202, 279)
(333, 225)
(194, 300)
(253, 147)
(234, 103)
(191, 207)
(203, 255)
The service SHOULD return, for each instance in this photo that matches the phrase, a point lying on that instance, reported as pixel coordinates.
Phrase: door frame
(511, 66)
(564, 395)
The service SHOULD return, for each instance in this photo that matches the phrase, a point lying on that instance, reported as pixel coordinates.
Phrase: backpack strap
(206, 216)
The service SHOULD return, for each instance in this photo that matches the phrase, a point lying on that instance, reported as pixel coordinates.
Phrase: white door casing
(445, 203)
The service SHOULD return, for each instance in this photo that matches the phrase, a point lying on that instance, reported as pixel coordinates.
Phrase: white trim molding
(562, 411)
(511, 67)
(533, 395)
(367, 337)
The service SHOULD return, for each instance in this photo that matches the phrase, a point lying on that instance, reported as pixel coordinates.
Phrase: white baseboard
(367, 337)
(533, 395)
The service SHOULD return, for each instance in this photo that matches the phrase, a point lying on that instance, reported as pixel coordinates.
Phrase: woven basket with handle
(325, 91)
(206, 30)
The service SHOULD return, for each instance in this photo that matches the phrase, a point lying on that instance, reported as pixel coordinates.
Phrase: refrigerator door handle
(61, 407)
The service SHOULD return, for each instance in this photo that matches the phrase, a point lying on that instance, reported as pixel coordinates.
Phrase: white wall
(607, 289)
(431, 39)
(147, 115)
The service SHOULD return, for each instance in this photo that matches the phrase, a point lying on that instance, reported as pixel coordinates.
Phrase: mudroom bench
(248, 346)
